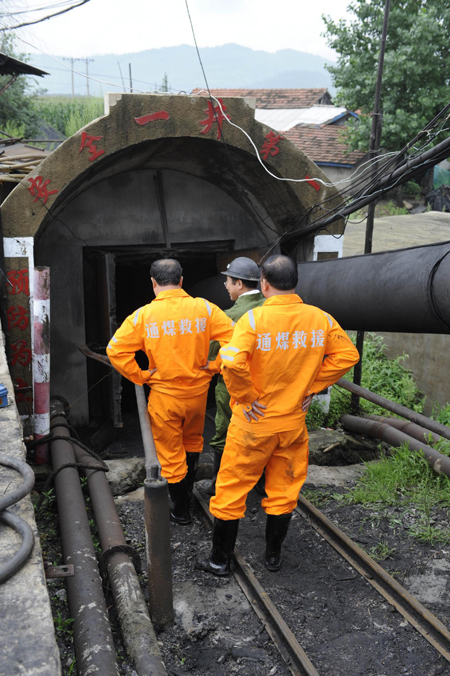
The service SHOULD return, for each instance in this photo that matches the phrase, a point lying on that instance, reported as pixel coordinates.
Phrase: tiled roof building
(277, 98)
(325, 145)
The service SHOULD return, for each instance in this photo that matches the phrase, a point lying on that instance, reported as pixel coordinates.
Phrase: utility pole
(87, 62)
(121, 76)
(374, 149)
(72, 61)
(131, 81)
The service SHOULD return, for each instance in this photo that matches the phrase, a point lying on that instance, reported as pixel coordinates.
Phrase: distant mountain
(226, 66)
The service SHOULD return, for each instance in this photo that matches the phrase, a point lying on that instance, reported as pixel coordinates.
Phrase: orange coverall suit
(279, 354)
(174, 331)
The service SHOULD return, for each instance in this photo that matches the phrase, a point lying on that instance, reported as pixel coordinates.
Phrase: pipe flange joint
(125, 549)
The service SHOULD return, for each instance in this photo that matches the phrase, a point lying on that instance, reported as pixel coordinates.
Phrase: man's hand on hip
(255, 411)
(307, 402)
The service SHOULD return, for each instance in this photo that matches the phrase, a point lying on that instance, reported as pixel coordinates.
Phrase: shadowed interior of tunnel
(132, 289)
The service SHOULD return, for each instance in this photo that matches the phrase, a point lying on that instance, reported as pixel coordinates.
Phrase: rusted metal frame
(93, 641)
(438, 461)
(107, 289)
(398, 409)
(137, 630)
(410, 428)
(288, 646)
(157, 523)
(407, 605)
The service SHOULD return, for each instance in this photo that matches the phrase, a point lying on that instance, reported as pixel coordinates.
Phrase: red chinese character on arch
(20, 353)
(312, 182)
(39, 189)
(215, 114)
(151, 117)
(270, 145)
(88, 142)
(18, 317)
(18, 282)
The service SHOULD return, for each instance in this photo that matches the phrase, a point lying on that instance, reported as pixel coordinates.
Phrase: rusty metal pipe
(413, 430)
(93, 642)
(157, 524)
(151, 457)
(439, 462)
(137, 630)
(398, 409)
(159, 558)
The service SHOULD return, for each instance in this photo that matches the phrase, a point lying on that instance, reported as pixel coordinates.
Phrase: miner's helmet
(243, 268)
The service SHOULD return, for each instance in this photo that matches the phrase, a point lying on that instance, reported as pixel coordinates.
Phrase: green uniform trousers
(223, 416)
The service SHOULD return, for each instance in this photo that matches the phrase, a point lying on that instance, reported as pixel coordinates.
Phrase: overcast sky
(112, 26)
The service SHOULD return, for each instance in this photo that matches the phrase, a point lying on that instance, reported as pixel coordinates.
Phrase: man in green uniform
(242, 277)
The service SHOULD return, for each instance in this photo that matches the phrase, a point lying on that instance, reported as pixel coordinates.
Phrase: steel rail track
(431, 628)
(291, 651)
(412, 610)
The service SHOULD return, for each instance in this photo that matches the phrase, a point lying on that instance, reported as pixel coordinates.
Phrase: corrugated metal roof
(11, 66)
(284, 119)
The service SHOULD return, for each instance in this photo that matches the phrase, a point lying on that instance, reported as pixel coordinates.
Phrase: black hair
(166, 272)
(249, 283)
(280, 272)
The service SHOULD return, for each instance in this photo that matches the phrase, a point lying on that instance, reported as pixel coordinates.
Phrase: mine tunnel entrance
(116, 282)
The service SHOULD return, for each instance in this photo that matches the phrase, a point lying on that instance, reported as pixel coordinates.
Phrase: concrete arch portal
(152, 177)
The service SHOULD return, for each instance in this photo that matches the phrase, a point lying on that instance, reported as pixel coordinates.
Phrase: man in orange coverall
(174, 331)
(281, 354)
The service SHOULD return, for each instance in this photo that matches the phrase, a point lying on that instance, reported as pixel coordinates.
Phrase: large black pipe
(398, 409)
(409, 428)
(93, 641)
(403, 291)
(137, 630)
(394, 437)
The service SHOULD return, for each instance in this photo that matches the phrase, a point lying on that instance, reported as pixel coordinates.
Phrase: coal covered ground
(343, 624)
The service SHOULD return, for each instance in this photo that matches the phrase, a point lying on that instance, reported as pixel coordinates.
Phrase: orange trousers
(246, 454)
(177, 426)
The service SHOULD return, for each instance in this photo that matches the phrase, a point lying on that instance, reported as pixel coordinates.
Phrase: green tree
(416, 67)
(16, 107)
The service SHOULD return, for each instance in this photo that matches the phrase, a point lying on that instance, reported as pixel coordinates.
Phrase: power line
(45, 18)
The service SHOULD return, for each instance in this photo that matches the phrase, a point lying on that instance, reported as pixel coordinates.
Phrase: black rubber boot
(192, 460)
(179, 495)
(276, 530)
(224, 539)
(209, 487)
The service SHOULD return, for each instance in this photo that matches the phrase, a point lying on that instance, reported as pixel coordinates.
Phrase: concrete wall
(27, 638)
(429, 360)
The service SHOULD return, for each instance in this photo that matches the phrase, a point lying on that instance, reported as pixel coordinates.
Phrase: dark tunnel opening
(116, 283)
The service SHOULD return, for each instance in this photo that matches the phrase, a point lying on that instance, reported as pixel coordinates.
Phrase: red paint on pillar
(41, 361)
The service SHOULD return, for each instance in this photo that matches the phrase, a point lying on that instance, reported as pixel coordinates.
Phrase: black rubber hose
(15, 521)
(26, 547)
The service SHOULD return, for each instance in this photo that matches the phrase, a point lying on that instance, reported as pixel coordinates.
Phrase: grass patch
(387, 377)
(405, 480)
